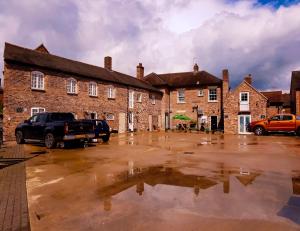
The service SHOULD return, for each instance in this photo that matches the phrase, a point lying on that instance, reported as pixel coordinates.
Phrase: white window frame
(110, 114)
(201, 92)
(71, 86)
(37, 109)
(153, 99)
(209, 94)
(37, 80)
(181, 99)
(93, 89)
(241, 95)
(111, 92)
(139, 97)
(131, 99)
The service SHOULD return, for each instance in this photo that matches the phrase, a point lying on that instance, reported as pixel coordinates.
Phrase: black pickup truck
(51, 128)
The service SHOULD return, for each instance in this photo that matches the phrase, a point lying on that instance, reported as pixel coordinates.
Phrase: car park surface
(168, 181)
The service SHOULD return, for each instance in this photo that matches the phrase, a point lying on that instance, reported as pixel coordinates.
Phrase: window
(212, 97)
(200, 92)
(275, 117)
(93, 89)
(131, 99)
(180, 96)
(139, 97)
(37, 80)
(71, 86)
(287, 117)
(111, 92)
(36, 110)
(244, 97)
(152, 99)
(110, 116)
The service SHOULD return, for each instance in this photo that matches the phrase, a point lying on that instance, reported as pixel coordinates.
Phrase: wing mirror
(26, 121)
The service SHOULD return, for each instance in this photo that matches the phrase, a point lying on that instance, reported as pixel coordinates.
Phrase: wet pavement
(167, 181)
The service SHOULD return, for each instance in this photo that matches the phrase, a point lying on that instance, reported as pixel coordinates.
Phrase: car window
(41, 118)
(62, 117)
(33, 119)
(275, 118)
(287, 117)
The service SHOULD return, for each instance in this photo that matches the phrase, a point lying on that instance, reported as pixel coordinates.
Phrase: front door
(244, 120)
(122, 122)
(130, 121)
(214, 123)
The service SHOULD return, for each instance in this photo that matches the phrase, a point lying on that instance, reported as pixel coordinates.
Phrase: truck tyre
(20, 137)
(50, 140)
(105, 138)
(259, 131)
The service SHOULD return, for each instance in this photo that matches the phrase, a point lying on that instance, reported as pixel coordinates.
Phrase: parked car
(51, 128)
(101, 129)
(277, 123)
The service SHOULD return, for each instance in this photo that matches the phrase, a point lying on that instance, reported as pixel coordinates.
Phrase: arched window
(93, 89)
(37, 80)
(71, 86)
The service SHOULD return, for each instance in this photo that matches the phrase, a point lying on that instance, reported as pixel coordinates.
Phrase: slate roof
(17, 54)
(278, 97)
(183, 79)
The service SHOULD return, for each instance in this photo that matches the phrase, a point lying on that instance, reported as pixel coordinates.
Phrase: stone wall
(19, 98)
(257, 107)
(192, 99)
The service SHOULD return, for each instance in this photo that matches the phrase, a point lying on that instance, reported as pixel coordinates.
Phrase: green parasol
(181, 117)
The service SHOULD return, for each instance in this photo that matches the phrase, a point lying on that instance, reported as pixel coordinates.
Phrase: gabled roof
(278, 97)
(183, 79)
(42, 48)
(13, 53)
(245, 82)
(295, 81)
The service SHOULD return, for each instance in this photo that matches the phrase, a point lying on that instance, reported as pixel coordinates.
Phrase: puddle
(188, 153)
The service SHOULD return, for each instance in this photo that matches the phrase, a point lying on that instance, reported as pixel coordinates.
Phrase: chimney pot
(196, 67)
(140, 71)
(108, 63)
(248, 79)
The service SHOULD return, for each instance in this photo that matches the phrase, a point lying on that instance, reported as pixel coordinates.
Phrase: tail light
(66, 128)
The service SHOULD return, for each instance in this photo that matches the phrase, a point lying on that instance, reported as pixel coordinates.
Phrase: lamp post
(195, 108)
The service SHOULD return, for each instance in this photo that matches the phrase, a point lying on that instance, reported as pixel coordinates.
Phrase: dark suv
(51, 128)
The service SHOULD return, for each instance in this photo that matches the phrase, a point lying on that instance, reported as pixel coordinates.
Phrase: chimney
(140, 71)
(248, 79)
(196, 68)
(225, 84)
(107, 62)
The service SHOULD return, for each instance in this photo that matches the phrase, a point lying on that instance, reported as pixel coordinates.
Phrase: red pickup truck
(277, 123)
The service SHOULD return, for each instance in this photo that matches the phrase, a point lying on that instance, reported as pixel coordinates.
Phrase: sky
(255, 37)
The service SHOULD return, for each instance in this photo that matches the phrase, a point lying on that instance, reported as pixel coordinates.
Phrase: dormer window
(93, 89)
(71, 86)
(37, 80)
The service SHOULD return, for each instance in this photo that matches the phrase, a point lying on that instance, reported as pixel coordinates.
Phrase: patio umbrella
(181, 117)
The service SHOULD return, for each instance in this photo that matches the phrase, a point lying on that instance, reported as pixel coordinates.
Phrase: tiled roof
(278, 97)
(13, 53)
(183, 79)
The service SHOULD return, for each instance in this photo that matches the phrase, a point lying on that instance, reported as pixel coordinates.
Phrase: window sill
(213, 101)
(200, 95)
(181, 102)
(111, 98)
(69, 93)
(93, 96)
(36, 89)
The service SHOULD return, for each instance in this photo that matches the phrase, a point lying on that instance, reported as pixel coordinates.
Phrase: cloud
(166, 36)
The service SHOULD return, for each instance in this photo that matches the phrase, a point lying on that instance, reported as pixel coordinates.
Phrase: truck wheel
(19, 137)
(259, 131)
(105, 138)
(50, 140)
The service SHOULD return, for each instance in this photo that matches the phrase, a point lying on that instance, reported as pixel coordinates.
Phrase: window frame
(209, 94)
(139, 97)
(182, 97)
(153, 99)
(92, 88)
(70, 86)
(37, 108)
(200, 92)
(241, 96)
(111, 92)
(110, 119)
(131, 99)
(35, 79)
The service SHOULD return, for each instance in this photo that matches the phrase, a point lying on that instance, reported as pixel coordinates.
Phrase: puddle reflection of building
(160, 175)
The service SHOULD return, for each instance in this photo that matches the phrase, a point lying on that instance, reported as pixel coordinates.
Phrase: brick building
(196, 94)
(35, 81)
(278, 102)
(295, 92)
(241, 106)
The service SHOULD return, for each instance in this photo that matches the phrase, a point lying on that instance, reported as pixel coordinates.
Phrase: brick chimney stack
(140, 71)
(107, 63)
(248, 79)
(225, 84)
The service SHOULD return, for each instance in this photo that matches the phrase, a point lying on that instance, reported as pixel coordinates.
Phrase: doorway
(243, 121)
(122, 122)
(130, 121)
(214, 123)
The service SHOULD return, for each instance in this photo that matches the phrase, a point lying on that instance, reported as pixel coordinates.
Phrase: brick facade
(257, 107)
(297, 102)
(19, 98)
